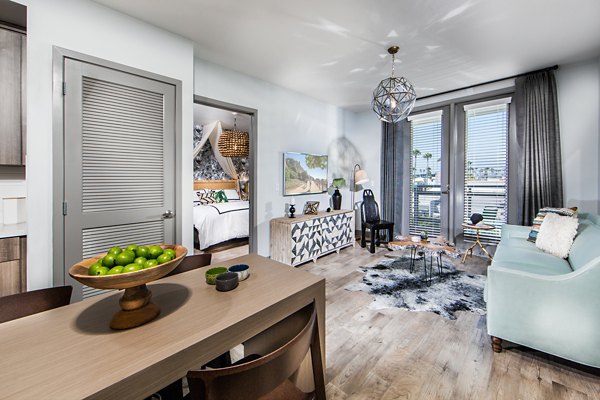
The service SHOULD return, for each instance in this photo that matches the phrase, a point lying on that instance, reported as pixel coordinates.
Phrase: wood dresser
(306, 237)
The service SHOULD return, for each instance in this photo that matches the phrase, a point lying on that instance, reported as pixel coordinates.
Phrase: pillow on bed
(205, 197)
(220, 196)
(232, 194)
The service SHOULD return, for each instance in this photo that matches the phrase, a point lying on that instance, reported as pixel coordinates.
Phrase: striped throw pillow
(205, 197)
(539, 218)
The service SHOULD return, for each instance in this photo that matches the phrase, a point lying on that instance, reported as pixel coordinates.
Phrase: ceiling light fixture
(234, 143)
(394, 98)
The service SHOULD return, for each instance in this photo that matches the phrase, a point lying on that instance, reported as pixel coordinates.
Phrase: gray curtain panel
(539, 137)
(391, 173)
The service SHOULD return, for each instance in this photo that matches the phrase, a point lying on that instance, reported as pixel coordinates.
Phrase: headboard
(217, 185)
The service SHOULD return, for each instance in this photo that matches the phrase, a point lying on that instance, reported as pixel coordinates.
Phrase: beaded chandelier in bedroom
(234, 143)
(394, 98)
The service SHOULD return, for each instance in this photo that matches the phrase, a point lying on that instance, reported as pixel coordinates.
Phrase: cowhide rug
(393, 285)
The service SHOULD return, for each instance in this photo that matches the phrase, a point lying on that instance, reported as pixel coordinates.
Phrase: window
(486, 165)
(425, 173)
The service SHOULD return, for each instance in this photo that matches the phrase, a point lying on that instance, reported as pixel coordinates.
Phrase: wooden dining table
(71, 353)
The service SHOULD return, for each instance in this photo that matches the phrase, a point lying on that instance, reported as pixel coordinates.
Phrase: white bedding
(219, 222)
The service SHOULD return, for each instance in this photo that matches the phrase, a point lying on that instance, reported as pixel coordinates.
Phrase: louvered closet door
(119, 166)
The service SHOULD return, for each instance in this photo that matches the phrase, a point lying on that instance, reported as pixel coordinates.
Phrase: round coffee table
(477, 228)
(434, 247)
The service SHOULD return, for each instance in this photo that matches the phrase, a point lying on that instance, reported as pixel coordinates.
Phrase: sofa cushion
(539, 218)
(518, 231)
(521, 255)
(557, 234)
(585, 246)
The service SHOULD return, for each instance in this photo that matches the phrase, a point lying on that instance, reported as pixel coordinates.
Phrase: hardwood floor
(398, 354)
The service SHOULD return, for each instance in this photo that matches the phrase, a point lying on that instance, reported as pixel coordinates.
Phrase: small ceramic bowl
(211, 274)
(243, 270)
(227, 281)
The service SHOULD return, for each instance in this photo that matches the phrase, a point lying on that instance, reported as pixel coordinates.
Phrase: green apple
(150, 264)
(115, 270)
(131, 268)
(163, 258)
(108, 261)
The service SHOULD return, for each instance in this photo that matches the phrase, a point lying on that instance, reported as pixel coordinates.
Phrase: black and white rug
(393, 285)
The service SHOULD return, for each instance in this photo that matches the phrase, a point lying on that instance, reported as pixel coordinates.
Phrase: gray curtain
(539, 138)
(391, 173)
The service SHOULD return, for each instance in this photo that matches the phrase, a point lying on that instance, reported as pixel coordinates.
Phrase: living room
(306, 73)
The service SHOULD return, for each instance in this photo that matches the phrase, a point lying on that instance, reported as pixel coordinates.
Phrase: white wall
(86, 27)
(287, 121)
(363, 130)
(579, 113)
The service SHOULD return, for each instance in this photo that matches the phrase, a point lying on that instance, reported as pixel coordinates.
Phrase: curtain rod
(554, 67)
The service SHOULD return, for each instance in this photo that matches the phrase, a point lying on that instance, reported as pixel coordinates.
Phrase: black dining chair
(27, 303)
(371, 220)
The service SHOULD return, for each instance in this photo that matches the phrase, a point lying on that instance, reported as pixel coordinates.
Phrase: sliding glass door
(485, 182)
(456, 164)
(428, 174)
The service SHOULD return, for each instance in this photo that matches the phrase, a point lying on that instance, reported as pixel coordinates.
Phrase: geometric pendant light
(394, 98)
(234, 143)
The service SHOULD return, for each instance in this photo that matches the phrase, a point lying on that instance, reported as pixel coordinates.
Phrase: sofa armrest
(515, 231)
(556, 314)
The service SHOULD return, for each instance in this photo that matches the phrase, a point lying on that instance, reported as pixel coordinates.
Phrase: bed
(219, 222)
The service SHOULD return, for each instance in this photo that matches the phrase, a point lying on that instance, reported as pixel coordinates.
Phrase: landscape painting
(304, 173)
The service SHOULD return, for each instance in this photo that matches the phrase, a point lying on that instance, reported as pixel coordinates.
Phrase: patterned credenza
(307, 237)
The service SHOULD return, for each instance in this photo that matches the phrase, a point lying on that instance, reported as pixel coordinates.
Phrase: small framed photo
(311, 207)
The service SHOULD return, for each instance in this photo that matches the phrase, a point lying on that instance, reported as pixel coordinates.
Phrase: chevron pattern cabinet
(297, 240)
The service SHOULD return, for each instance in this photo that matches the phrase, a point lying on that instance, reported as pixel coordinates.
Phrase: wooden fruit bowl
(136, 305)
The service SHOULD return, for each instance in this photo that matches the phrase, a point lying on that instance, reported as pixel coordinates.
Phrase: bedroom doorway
(224, 179)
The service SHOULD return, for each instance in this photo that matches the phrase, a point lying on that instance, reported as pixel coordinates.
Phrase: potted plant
(336, 196)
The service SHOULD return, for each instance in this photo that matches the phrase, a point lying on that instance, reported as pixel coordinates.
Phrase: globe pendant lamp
(234, 143)
(394, 98)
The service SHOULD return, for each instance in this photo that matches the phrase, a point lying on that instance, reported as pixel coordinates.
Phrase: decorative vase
(292, 211)
(476, 218)
(336, 199)
(424, 236)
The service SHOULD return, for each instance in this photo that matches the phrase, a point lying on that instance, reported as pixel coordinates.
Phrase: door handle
(447, 191)
(168, 214)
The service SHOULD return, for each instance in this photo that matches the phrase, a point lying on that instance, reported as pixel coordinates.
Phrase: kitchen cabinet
(12, 97)
(13, 265)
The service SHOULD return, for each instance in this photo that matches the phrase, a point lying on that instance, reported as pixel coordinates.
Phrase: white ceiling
(335, 50)
(205, 115)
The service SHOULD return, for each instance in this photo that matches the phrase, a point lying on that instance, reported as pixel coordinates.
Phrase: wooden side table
(477, 228)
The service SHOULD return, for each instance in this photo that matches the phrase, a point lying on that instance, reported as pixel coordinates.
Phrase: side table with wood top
(477, 228)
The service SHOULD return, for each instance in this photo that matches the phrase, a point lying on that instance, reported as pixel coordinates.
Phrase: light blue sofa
(544, 302)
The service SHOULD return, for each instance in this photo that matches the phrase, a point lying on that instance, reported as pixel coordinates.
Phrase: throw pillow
(231, 194)
(205, 197)
(539, 218)
(220, 196)
(556, 234)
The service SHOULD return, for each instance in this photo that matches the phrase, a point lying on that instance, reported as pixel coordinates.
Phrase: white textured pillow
(232, 194)
(556, 234)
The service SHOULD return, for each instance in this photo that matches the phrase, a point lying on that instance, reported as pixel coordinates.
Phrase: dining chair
(174, 391)
(27, 303)
(266, 377)
(191, 262)
(371, 220)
